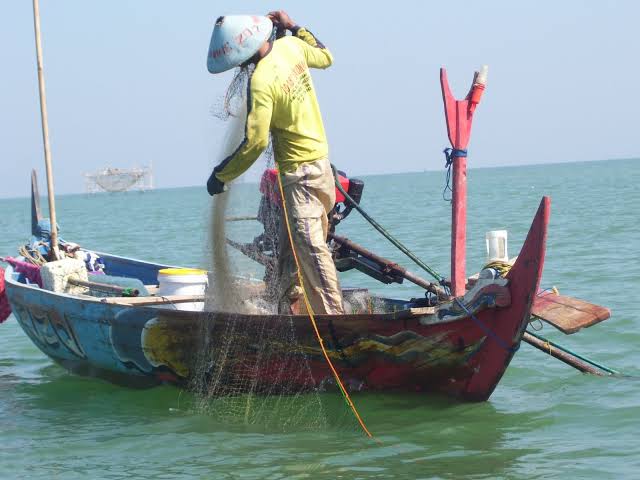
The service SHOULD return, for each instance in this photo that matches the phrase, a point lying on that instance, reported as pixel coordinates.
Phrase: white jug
(497, 246)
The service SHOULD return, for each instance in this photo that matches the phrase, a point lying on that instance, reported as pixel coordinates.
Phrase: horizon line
(357, 174)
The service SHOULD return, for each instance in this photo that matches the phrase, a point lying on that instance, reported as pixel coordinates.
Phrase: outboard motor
(343, 207)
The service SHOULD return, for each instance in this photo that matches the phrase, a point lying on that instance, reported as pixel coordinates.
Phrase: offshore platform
(119, 180)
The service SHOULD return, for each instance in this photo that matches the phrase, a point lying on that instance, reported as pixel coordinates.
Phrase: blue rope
(449, 155)
(487, 330)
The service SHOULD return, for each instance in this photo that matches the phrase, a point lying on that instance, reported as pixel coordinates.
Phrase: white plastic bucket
(497, 246)
(182, 281)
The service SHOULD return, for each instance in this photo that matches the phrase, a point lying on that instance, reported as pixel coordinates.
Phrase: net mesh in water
(251, 369)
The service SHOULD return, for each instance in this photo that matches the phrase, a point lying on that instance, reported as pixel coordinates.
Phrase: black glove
(215, 186)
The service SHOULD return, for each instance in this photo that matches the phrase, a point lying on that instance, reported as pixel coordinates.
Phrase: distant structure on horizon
(119, 180)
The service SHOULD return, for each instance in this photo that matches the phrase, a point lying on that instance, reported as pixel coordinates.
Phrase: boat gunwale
(412, 313)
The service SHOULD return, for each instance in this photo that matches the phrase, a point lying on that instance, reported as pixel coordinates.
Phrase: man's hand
(281, 18)
(215, 186)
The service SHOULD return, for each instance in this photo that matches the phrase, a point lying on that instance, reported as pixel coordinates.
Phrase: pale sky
(127, 84)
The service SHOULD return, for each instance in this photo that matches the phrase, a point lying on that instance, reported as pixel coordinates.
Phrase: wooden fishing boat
(460, 347)
(458, 340)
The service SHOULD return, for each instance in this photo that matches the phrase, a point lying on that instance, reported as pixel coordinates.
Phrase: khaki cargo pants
(310, 195)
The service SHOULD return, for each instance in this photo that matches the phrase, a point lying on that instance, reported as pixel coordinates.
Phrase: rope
(487, 330)
(449, 155)
(501, 267)
(32, 256)
(345, 394)
(387, 235)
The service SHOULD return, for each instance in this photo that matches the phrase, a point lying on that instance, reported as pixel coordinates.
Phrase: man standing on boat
(281, 100)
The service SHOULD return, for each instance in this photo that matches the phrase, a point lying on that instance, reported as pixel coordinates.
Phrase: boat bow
(507, 326)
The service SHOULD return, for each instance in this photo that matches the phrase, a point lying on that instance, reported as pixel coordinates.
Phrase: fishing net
(232, 104)
(251, 367)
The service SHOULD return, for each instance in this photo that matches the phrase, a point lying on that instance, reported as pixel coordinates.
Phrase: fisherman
(281, 101)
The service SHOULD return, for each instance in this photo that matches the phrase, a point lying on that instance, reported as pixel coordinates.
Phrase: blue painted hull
(74, 332)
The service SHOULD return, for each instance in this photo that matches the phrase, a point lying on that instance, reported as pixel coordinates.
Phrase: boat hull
(453, 353)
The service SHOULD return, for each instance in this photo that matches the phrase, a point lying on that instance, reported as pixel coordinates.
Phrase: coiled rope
(501, 267)
(335, 373)
(32, 256)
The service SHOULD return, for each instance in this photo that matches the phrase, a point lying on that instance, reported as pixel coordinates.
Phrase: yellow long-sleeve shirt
(282, 99)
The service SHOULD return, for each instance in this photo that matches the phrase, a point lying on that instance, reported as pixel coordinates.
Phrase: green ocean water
(544, 420)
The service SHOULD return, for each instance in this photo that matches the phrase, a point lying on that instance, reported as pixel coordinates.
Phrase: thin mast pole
(45, 134)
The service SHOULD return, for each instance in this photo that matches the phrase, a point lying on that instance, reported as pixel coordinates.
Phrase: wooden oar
(147, 301)
(240, 218)
(105, 287)
(567, 314)
(563, 354)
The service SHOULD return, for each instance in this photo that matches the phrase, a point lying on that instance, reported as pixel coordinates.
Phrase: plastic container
(488, 274)
(497, 246)
(182, 281)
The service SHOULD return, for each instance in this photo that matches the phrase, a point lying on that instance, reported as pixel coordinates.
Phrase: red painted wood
(373, 352)
(459, 116)
(509, 324)
(459, 227)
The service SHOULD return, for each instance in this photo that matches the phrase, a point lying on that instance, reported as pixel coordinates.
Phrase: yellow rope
(312, 316)
(502, 267)
(34, 257)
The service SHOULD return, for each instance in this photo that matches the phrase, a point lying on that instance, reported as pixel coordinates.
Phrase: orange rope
(312, 316)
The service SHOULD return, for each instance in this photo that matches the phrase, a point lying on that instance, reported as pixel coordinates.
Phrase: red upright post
(459, 226)
(459, 115)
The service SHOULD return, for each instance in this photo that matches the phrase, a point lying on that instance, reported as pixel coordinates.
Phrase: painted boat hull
(460, 355)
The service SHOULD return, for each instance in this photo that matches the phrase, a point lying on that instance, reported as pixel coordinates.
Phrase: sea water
(544, 420)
